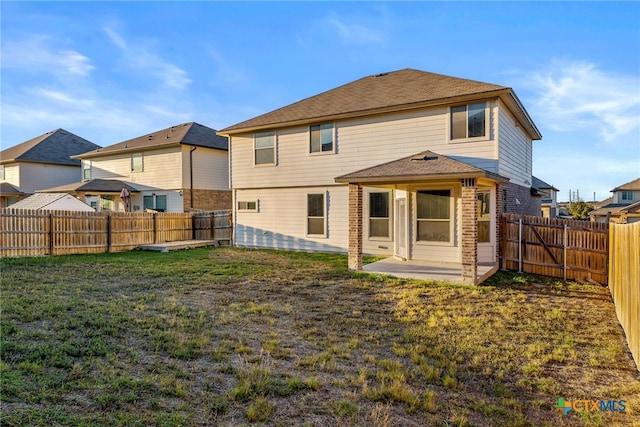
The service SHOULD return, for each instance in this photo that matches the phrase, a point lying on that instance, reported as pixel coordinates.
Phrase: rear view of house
(407, 163)
(178, 169)
(39, 163)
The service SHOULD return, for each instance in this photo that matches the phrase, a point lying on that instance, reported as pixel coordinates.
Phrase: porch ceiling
(424, 166)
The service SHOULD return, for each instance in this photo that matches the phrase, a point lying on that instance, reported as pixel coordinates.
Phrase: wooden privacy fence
(569, 249)
(624, 281)
(35, 232)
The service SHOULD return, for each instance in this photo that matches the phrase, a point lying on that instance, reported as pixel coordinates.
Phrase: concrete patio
(423, 270)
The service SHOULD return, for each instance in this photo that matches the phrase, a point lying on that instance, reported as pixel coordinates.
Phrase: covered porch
(441, 207)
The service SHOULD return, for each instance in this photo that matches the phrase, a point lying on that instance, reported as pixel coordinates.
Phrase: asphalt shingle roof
(7, 189)
(629, 186)
(187, 133)
(421, 166)
(386, 92)
(53, 147)
(94, 185)
(39, 200)
(539, 184)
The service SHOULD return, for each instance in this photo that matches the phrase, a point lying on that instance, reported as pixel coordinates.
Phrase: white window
(86, 169)
(136, 162)
(484, 216)
(321, 138)
(315, 214)
(379, 223)
(155, 202)
(627, 195)
(248, 205)
(106, 203)
(434, 216)
(469, 121)
(265, 148)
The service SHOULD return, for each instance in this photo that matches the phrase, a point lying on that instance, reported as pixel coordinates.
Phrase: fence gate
(568, 249)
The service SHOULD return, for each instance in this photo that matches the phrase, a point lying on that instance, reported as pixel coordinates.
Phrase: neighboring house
(181, 168)
(549, 197)
(52, 202)
(623, 206)
(103, 195)
(407, 163)
(41, 162)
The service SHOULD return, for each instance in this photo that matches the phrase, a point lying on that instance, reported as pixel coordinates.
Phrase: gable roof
(93, 185)
(382, 93)
(45, 200)
(419, 167)
(187, 133)
(629, 186)
(55, 147)
(539, 184)
(615, 209)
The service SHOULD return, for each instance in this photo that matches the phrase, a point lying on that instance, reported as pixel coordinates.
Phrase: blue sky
(110, 71)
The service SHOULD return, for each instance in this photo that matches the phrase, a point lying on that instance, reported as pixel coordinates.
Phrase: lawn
(226, 336)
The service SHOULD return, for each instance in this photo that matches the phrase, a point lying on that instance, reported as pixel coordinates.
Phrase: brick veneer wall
(469, 230)
(355, 227)
(529, 205)
(208, 200)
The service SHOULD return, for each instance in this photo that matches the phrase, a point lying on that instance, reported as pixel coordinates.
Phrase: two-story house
(407, 163)
(623, 207)
(39, 163)
(549, 197)
(181, 168)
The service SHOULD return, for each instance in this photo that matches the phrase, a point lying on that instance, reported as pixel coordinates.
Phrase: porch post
(355, 227)
(469, 230)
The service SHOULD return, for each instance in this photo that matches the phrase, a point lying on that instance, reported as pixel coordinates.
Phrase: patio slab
(423, 270)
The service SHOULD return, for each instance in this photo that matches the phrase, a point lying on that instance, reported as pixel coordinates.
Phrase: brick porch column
(469, 231)
(500, 203)
(355, 227)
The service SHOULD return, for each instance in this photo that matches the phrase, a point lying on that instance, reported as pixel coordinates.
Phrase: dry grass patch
(224, 336)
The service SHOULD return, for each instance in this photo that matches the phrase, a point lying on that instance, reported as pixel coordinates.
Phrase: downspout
(191, 176)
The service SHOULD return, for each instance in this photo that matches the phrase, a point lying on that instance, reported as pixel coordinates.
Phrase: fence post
(155, 228)
(51, 236)
(564, 253)
(193, 226)
(108, 233)
(520, 245)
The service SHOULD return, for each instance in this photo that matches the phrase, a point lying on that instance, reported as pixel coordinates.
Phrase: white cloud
(36, 54)
(579, 95)
(138, 55)
(354, 32)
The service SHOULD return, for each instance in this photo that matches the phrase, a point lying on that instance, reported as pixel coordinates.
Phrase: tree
(580, 210)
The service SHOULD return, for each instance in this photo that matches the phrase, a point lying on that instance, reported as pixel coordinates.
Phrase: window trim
(134, 156)
(487, 123)
(625, 193)
(86, 169)
(275, 143)
(452, 219)
(389, 217)
(247, 208)
(333, 139)
(324, 212)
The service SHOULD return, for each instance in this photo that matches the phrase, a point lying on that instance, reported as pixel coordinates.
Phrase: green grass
(224, 336)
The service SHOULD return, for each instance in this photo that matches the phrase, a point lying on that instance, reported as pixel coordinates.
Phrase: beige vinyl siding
(210, 168)
(161, 168)
(12, 174)
(281, 219)
(515, 151)
(360, 143)
(40, 176)
(617, 197)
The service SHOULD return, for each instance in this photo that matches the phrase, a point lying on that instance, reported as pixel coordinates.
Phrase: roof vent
(381, 75)
(424, 157)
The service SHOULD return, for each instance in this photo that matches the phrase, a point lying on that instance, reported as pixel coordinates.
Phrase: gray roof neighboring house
(426, 165)
(615, 209)
(384, 93)
(184, 134)
(539, 184)
(51, 201)
(7, 189)
(54, 147)
(94, 185)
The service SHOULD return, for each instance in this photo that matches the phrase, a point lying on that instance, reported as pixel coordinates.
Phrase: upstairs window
(136, 162)
(265, 148)
(468, 121)
(86, 169)
(627, 196)
(321, 138)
